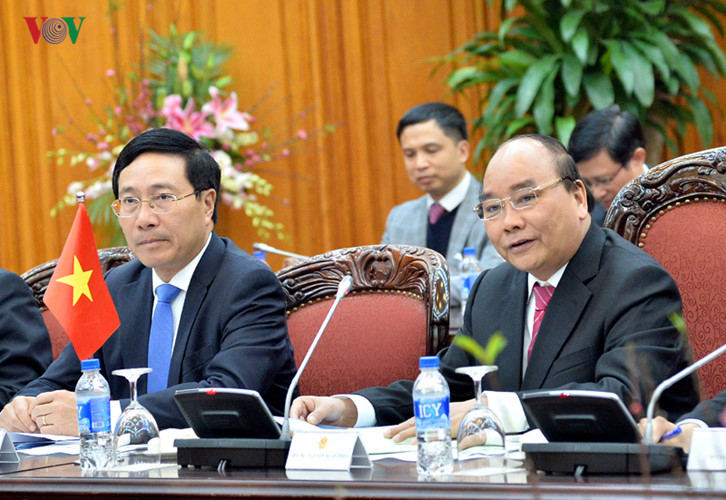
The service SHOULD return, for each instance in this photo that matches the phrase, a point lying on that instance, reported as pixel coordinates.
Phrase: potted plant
(553, 61)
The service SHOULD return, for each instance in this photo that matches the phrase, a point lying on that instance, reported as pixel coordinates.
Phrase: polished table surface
(388, 479)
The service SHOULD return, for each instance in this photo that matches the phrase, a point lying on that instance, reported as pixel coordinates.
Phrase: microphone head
(344, 286)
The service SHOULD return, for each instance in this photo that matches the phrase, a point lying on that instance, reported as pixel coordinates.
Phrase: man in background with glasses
(609, 148)
(579, 307)
(195, 308)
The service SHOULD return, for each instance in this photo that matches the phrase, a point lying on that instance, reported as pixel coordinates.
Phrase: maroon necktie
(542, 296)
(435, 213)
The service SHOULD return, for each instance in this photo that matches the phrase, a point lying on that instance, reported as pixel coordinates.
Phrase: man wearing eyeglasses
(195, 308)
(579, 307)
(609, 148)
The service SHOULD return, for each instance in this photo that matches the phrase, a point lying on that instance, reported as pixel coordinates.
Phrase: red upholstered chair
(38, 277)
(677, 213)
(397, 311)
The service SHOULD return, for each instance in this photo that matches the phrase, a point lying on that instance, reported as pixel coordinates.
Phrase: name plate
(8, 455)
(708, 449)
(333, 450)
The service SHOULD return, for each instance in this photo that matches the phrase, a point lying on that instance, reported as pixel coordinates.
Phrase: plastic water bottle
(93, 398)
(469, 271)
(433, 428)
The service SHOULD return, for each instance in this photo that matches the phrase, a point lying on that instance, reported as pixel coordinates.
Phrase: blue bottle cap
(469, 251)
(260, 255)
(90, 364)
(428, 362)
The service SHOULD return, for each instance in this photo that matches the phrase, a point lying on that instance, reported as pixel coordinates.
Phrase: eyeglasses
(520, 199)
(603, 181)
(158, 203)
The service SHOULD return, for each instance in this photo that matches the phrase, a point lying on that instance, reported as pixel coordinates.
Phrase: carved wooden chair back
(397, 311)
(38, 278)
(677, 213)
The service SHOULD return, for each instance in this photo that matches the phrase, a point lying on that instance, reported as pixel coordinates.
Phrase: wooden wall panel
(359, 63)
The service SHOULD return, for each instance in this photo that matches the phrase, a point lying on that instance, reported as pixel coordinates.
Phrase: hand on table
(407, 429)
(325, 410)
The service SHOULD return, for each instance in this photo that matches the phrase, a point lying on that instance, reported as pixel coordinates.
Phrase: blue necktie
(161, 338)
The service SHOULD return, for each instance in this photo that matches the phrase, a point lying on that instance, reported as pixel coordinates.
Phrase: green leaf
(652, 8)
(517, 125)
(517, 58)
(189, 40)
(702, 119)
(564, 127)
(569, 23)
(599, 90)
(531, 82)
(654, 55)
(621, 64)
(460, 75)
(484, 355)
(644, 83)
(571, 74)
(688, 71)
(496, 95)
(696, 24)
(544, 104)
(581, 44)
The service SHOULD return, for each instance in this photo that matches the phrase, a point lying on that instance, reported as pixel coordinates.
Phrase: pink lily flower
(186, 120)
(226, 115)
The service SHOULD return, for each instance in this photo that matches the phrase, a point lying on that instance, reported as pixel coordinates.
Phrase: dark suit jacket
(710, 411)
(606, 328)
(25, 350)
(232, 333)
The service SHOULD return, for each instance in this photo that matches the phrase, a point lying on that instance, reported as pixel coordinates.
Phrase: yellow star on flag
(78, 280)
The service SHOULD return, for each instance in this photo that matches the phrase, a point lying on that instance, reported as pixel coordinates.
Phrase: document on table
(44, 444)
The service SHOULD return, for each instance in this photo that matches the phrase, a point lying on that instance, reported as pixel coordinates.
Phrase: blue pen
(672, 433)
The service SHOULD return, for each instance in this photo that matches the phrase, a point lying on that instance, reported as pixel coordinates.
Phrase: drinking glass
(137, 436)
(480, 425)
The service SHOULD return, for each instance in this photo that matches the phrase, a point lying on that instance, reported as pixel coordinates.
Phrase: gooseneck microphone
(648, 434)
(343, 288)
(267, 248)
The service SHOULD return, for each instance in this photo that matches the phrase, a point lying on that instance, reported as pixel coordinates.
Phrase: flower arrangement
(182, 88)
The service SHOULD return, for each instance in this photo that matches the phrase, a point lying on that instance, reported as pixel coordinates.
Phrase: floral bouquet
(181, 89)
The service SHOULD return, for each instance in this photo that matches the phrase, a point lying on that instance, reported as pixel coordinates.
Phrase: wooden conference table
(49, 477)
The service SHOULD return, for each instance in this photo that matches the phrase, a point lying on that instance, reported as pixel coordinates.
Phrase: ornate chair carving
(677, 213)
(397, 311)
(38, 278)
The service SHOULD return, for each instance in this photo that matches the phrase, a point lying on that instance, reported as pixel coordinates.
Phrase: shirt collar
(553, 280)
(182, 279)
(453, 198)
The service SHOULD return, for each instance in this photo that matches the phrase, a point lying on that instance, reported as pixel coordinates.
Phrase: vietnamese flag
(77, 294)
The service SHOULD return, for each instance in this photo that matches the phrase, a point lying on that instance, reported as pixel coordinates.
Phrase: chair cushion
(382, 335)
(689, 242)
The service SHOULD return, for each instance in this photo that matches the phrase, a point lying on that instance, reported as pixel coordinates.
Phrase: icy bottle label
(94, 415)
(432, 414)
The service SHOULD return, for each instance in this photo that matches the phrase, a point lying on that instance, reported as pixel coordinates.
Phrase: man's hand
(16, 417)
(56, 413)
(407, 429)
(325, 410)
(661, 427)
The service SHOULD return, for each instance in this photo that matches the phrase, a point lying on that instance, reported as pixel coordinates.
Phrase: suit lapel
(418, 226)
(510, 359)
(565, 308)
(198, 286)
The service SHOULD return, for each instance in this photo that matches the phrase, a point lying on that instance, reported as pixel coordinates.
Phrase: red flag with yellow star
(77, 294)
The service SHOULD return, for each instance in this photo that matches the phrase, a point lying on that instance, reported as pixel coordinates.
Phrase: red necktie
(542, 296)
(435, 213)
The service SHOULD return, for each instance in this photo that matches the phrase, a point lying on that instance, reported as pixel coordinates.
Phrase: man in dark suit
(608, 146)
(25, 349)
(228, 316)
(433, 137)
(605, 327)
